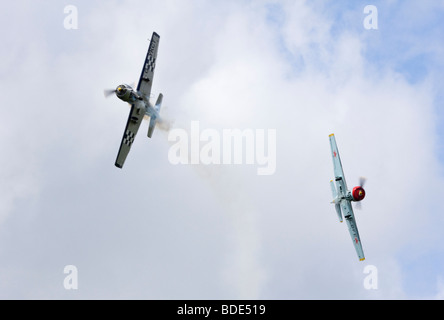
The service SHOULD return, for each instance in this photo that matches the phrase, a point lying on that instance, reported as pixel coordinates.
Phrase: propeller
(362, 181)
(109, 92)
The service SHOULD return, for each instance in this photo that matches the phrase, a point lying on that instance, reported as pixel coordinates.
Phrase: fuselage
(128, 94)
(356, 195)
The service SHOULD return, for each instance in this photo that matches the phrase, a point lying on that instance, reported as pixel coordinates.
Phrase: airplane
(139, 100)
(342, 198)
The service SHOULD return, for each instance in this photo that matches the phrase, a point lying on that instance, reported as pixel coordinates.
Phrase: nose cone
(358, 193)
(120, 91)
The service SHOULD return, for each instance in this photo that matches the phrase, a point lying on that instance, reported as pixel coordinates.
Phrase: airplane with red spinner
(342, 198)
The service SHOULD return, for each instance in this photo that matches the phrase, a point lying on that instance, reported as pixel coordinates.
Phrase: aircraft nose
(120, 90)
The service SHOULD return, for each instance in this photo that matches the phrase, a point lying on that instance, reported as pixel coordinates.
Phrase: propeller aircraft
(342, 198)
(139, 100)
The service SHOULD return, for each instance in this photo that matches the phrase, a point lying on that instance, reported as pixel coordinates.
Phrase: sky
(159, 230)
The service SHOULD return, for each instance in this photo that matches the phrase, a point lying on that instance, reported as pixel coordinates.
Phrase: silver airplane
(139, 100)
(342, 198)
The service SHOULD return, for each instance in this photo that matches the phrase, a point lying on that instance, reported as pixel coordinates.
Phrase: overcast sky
(154, 230)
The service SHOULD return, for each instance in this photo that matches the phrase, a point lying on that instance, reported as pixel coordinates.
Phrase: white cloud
(154, 230)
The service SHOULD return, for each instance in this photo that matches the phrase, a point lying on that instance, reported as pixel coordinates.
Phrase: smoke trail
(227, 182)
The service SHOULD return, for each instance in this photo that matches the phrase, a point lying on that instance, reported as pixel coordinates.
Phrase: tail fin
(335, 197)
(153, 118)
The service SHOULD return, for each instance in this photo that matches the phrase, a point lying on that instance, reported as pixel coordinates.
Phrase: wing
(146, 78)
(132, 126)
(341, 185)
(337, 165)
(347, 210)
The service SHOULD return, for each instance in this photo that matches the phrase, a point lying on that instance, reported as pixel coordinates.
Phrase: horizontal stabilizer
(333, 189)
(335, 200)
(338, 211)
(152, 126)
(159, 103)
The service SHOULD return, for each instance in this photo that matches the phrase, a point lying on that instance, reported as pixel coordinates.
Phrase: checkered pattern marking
(128, 139)
(149, 66)
(151, 63)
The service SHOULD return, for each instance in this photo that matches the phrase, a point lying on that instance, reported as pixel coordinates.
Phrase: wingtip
(362, 259)
(331, 135)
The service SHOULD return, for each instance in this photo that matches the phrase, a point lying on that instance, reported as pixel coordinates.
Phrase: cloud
(160, 231)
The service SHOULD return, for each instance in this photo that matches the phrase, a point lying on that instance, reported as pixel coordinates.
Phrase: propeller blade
(358, 205)
(362, 181)
(108, 92)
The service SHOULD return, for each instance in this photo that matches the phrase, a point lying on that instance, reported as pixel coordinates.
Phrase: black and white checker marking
(129, 138)
(150, 63)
